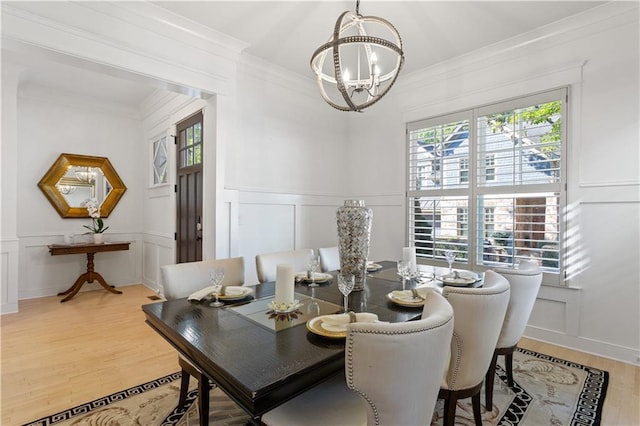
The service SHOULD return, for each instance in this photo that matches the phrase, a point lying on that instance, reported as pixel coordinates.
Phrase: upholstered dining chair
(180, 281)
(392, 371)
(479, 313)
(525, 284)
(267, 263)
(329, 258)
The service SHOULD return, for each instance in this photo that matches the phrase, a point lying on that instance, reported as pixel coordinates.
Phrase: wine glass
(217, 275)
(314, 262)
(450, 255)
(313, 308)
(345, 285)
(403, 271)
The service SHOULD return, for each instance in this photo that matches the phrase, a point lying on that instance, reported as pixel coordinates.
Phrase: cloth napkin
(318, 276)
(407, 295)
(338, 322)
(207, 291)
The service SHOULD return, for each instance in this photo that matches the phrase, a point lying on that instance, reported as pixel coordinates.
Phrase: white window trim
(471, 115)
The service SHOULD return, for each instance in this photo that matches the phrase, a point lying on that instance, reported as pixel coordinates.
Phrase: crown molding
(609, 15)
(150, 42)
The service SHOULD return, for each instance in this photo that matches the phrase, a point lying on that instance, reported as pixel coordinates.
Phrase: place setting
(217, 294)
(411, 298)
(335, 325)
(311, 277)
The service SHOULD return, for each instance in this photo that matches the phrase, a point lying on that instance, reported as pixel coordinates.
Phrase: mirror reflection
(80, 184)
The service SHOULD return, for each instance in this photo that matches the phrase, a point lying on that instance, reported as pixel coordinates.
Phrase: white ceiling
(287, 32)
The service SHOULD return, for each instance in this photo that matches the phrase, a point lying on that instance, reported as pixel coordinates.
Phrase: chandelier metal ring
(367, 90)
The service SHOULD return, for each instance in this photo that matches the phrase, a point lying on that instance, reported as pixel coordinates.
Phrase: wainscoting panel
(9, 275)
(157, 250)
(549, 315)
(265, 228)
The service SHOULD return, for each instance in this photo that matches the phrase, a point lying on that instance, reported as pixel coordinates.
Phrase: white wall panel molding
(9, 249)
(157, 250)
(46, 94)
(76, 31)
(249, 193)
(556, 319)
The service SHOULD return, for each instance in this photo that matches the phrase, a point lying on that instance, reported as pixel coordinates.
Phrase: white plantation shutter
(489, 183)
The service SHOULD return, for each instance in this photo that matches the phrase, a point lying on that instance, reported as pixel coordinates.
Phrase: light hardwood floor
(59, 355)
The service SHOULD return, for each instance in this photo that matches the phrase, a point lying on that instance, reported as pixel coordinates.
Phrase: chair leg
(203, 400)
(184, 387)
(508, 363)
(475, 403)
(450, 403)
(488, 382)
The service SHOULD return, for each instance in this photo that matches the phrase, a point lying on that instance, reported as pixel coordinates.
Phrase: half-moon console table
(90, 249)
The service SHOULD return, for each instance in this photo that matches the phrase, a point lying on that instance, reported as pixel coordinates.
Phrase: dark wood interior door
(189, 189)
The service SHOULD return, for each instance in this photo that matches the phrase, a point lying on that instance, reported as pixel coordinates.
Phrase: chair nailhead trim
(351, 333)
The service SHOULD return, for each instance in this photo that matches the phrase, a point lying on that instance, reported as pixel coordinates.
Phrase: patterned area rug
(548, 390)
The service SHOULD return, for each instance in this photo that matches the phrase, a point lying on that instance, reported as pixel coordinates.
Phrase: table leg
(89, 277)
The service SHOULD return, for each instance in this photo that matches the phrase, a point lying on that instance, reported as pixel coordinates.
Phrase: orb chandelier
(367, 58)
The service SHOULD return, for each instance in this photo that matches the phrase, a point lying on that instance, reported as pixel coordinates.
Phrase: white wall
(50, 123)
(599, 313)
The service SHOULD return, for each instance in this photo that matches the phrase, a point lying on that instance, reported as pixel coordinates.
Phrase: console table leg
(103, 283)
(75, 288)
(89, 277)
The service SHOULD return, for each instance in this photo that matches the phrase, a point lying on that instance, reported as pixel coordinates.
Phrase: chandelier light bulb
(346, 76)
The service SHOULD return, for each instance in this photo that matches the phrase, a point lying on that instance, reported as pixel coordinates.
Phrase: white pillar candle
(409, 256)
(284, 283)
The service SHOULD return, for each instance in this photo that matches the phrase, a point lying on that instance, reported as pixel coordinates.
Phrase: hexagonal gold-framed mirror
(73, 179)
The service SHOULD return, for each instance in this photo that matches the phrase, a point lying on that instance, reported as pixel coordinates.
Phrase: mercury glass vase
(354, 234)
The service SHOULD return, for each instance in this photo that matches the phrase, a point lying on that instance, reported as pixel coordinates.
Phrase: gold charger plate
(314, 325)
(246, 291)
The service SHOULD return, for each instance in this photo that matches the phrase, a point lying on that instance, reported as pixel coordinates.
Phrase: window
(463, 222)
(190, 149)
(498, 188)
(160, 161)
(489, 167)
(464, 170)
(489, 221)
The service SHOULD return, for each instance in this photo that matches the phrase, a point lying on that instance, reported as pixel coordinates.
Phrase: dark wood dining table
(261, 362)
